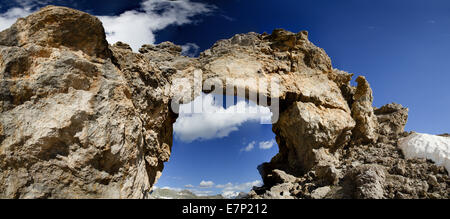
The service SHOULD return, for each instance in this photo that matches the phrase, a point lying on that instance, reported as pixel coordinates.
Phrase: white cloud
(9, 17)
(206, 184)
(138, 27)
(134, 27)
(221, 186)
(214, 121)
(31, 3)
(228, 18)
(232, 190)
(230, 194)
(228, 190)
(243, 187)
(201, 192)
(265, 145)
(176, 189)
(249, 147)
(22, 8)
(169, 188)
(189, 49)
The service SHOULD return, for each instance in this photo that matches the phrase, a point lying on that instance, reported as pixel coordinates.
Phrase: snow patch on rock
(433, 147)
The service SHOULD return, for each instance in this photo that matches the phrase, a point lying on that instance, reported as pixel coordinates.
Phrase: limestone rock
(368, 181)
(392, 119)
(301, 68)
(73, 125)
(362, 112)
(319, 127)
(445, 135)
(320, 192)
(162, 47)
(122, 45)
(279, 191)
(59, 27)
(275, 176)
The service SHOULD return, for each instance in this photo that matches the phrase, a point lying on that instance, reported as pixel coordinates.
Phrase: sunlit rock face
(56, 27)
(83, 119)
(75, 123)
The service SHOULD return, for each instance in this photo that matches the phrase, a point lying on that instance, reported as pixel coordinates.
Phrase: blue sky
(401, 46)
(218, 150)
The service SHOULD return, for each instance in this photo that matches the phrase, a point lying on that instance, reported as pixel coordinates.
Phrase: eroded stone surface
(75, 124)
(392, 118)
(362, 111)
(59, 27)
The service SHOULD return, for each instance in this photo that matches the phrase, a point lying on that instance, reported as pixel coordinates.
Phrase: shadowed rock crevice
(107, 161)
(83, 119)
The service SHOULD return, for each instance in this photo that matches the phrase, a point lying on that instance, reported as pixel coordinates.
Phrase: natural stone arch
(99, 120)
(313, 110)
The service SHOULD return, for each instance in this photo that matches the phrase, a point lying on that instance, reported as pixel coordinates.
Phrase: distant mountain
(234, 195)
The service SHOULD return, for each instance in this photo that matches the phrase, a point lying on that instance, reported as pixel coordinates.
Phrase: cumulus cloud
(230, 194)
(201, 192)
(215, 121)
(230, 190)
(249, 147)
(169, 188)
(31, 3)
(10, 16)
(22, 8)
(135, 27)
(138, 27)
(188, 187)
(243, 187)
(265, 145)
(221, 186)
(206, 184)
(190, 49)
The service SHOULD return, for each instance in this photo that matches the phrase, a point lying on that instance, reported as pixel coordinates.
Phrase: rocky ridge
(83, 119)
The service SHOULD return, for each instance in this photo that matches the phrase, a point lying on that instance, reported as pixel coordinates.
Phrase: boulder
(392, 119)
(321, 192)
(367, 181)
(55, 27)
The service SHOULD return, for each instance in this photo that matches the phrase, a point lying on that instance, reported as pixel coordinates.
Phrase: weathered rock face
(83, 119)
(320, 127)
(362, 110)
(56, 27)
(74, 124)
(392, 119)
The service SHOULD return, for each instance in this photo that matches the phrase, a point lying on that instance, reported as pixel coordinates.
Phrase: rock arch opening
(218, 143)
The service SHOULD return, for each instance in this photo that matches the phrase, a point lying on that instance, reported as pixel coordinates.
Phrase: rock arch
(81, 118)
